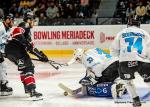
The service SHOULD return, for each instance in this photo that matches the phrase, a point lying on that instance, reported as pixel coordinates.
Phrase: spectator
(94, 13)
(42, 19)
(148, 12)
(1, 13)
(25, 9)
(52, 11)
(41, 8)
(141, 11)
(130, 12)
(71, 11)
(13, 9)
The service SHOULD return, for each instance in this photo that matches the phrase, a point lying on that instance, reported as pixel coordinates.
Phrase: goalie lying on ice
(101, 77)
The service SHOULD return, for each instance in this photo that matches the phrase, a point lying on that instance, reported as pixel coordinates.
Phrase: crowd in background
(57, 12)
(131, 8)
(51, 9)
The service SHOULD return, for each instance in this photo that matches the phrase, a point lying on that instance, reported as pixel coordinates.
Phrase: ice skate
(136, 102)
(5, 90)
(35, 96)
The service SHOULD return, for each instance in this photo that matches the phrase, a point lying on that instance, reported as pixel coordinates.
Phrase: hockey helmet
(8, 16)
(133, 22)
(28, 15)
(78, 53)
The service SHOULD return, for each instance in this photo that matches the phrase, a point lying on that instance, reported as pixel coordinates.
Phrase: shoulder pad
(22, 24)
(17, 31)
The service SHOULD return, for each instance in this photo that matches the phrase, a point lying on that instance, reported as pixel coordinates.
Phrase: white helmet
(77, 56)
(78, 53)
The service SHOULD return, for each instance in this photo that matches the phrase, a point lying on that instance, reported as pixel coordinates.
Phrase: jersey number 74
(134, 43)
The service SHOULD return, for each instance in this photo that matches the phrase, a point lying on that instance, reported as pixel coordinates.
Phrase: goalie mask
(78, 53)
(77, 56)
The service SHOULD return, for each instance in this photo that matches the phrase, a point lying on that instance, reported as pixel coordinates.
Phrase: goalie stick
(52, 63)
(146, 95)
(69, 90)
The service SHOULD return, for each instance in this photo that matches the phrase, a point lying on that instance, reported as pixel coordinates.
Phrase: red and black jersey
(22, 34)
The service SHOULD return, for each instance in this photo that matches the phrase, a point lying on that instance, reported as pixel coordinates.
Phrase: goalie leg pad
(100, 90)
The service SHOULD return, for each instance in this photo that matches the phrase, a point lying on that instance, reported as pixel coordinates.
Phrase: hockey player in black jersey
(17, 51)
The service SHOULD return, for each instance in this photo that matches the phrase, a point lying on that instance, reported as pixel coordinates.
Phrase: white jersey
(131, 44)
(96, 59)
(3, 37)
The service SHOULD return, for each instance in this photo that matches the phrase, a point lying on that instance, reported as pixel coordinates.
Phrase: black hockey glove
(42, 57)
(29, 47)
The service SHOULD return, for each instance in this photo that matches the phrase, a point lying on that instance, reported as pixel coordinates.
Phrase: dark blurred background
(78, 12)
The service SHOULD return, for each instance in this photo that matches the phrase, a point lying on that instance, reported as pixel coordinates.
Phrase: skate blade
(36, 98)
(6, 93)
(137, 106)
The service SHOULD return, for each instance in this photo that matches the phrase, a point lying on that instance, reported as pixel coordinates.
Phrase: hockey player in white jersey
(100, 66)
(131, 46)
(5, 26)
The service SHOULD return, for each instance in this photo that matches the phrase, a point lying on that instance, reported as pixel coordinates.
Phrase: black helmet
(28, 15)
(8, 16)
(133, 22)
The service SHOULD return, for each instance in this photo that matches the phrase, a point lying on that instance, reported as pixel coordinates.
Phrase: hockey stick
(69, 90)
(146, 95)
(52, 63)
(144, 57)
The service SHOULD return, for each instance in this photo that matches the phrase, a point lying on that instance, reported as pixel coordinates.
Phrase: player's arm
(18, 35)
(71, 61)
(147, 38)
(115, 46)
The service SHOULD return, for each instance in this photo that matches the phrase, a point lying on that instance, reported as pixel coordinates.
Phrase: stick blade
(69, 90)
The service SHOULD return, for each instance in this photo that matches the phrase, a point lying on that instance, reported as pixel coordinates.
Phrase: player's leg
(144, 72)
(17, 54)
(4, 89)
(26, 68)
(98, 75)
(107, 77)
(27, 76)
(126, 71)
(111, 74)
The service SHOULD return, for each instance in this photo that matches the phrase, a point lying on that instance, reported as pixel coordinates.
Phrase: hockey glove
(42, 57)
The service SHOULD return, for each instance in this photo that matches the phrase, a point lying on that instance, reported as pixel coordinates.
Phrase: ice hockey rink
(47, 79)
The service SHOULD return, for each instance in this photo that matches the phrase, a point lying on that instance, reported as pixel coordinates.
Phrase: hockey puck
(65, 93)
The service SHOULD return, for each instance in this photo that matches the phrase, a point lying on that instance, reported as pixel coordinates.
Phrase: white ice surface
(47, 80)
